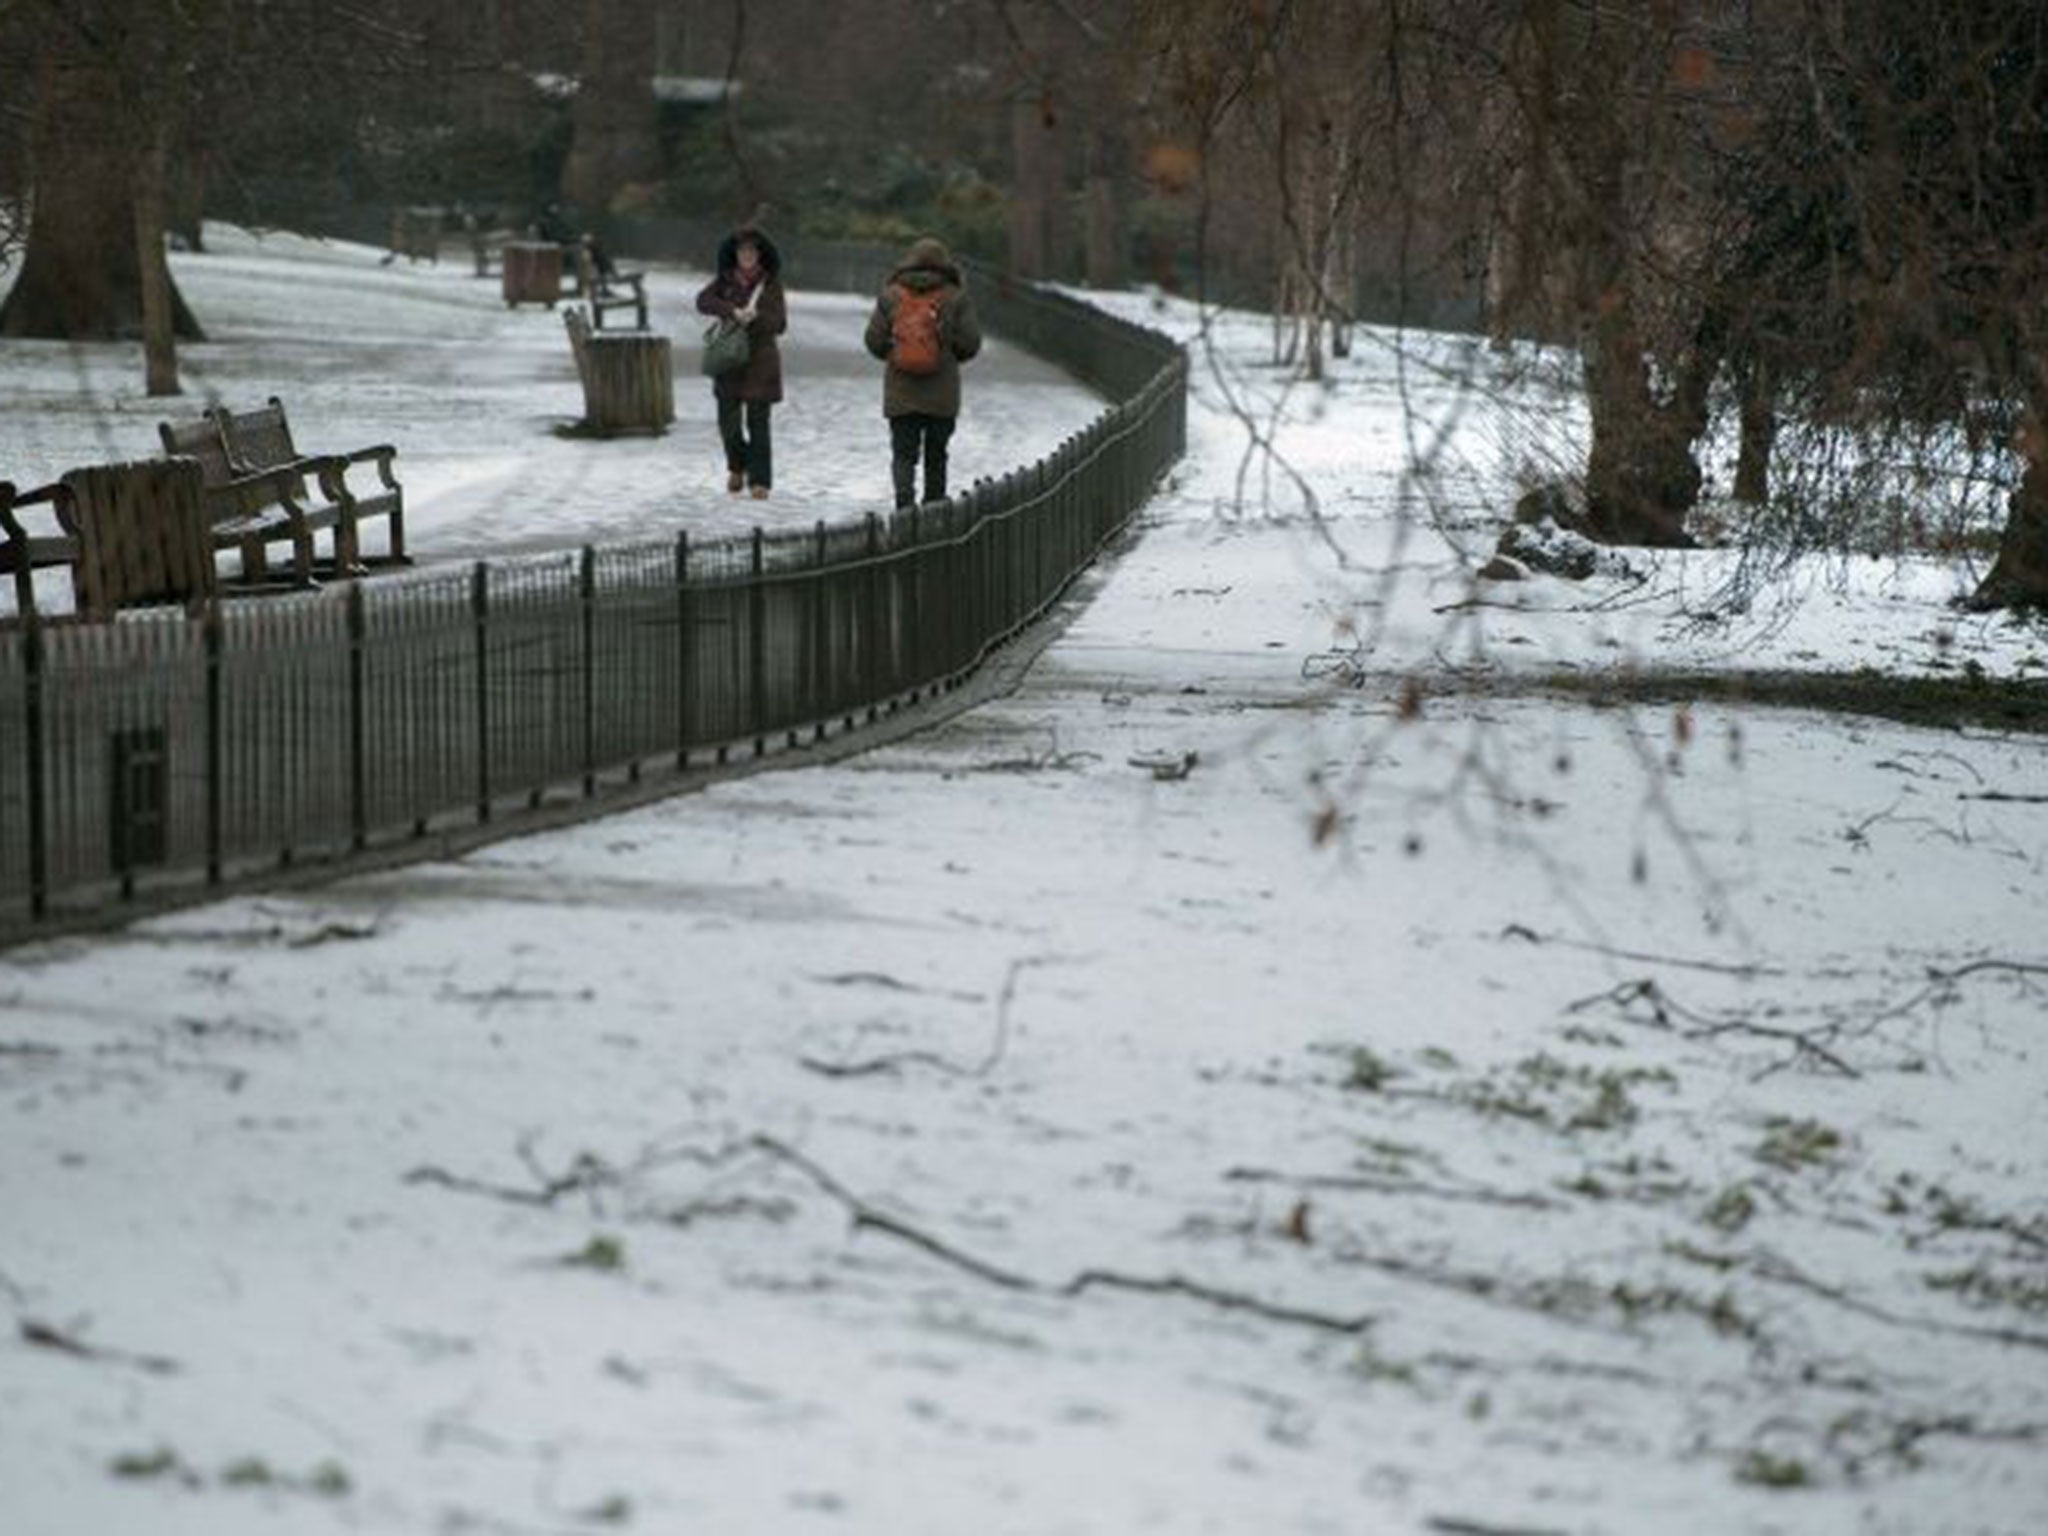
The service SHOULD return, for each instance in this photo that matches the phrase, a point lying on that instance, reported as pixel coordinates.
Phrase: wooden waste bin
(532, 272)
(628, 383)
(628, 378)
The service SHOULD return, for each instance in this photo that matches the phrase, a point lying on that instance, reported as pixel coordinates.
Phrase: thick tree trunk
(1641, 477)
(2019, 576)
(81, 270)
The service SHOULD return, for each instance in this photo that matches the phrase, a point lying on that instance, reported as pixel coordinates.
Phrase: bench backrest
(231, 444)
(143, 533)
(258, 439)
(199, 439)
(578, 326)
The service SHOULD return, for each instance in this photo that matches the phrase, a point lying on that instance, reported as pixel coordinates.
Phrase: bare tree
(613, 156)
(1898, 296)
(92, 262)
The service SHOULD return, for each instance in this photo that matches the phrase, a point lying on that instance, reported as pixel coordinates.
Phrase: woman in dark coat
(749, 289)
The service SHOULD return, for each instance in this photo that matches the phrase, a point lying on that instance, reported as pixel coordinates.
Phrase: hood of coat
(729, 250)
(926, 264)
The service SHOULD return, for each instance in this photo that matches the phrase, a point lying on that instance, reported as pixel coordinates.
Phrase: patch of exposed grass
(1981, 1286)
(1564, 1095)
(1731, 1209)
(606, 1255)
(1760, 1469)
(1970, 698)
(1795, 1144)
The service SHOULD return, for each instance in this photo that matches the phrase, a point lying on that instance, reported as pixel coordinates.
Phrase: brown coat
(761, 379)
(926, 265)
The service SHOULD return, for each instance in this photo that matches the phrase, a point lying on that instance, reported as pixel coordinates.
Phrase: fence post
(480, 616)
(909, 578)
(586, 584)
(757, 647)
(821, 639)
(684, 649)
(32, 722)
(213, 635)
(877, 626)
(358, 744)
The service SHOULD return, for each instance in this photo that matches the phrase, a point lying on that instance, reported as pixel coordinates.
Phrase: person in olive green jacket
(923, 327)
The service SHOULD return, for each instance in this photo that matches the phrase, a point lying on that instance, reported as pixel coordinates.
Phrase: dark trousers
(909, 437)
(747, 452)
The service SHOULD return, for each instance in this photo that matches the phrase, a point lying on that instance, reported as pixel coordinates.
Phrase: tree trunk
(159, 341)
(185, 198)
(81, 269)
(1641, 476)
(1035, 221)
(615, 144)
(2019, 576)
(1344, 285)
(1758, 413)
(1105, 235)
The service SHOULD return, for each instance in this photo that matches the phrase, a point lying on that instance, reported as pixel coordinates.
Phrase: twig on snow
(866, 1216)
(1457, 1525)
(1744, 969)
(1351, 1181)
(879, 1065)
(44, 1336)
(1667, 1013)
(586, 1172)
(1774, 1267)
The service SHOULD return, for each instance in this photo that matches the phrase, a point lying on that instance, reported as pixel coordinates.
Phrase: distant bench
(605, 289)
(256, 492)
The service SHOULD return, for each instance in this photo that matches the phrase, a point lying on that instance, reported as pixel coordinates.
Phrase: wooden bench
(416, 234)
(628, 378)
(130, 533)
(606, 291)
(486, 245)
(248, 513)
(257, 493)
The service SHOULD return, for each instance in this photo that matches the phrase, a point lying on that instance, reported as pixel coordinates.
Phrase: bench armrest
(282, 481)
(382, 454)
(56, 493)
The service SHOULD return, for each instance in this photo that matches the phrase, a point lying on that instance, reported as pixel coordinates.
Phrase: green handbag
(726, 347)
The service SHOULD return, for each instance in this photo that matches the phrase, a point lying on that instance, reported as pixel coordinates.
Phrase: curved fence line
(163, 755)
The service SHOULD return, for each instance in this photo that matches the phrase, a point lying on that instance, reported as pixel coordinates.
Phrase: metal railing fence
(164, 754)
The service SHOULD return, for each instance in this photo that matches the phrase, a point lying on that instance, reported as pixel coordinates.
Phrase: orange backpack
(914, 344)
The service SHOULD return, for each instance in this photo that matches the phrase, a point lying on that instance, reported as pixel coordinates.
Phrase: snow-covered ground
(1236, 1081)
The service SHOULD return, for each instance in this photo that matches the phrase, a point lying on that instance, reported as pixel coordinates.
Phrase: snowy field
(1271, 1070)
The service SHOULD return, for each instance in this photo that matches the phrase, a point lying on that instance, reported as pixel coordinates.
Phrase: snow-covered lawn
(1271, 1071)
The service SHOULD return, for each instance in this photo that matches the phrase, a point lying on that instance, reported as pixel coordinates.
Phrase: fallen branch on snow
(1668, 1013)
(868, 1217)
(43, 1336)
(879, 1065)
(1478, 1195)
